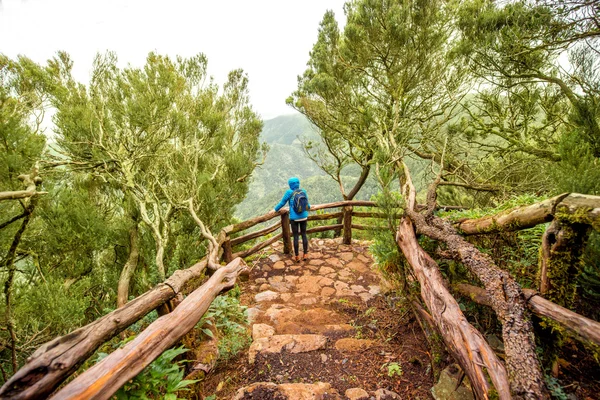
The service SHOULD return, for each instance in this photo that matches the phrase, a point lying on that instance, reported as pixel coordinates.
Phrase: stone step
(288, 391)
(308, 391)
(291, 343)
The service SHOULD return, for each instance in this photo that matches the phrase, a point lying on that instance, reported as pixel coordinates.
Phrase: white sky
(269, 39)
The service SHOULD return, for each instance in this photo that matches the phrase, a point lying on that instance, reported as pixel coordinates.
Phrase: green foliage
(394, 369)
(162, 378)
(556, 390)
(473, 213)
(231, 319)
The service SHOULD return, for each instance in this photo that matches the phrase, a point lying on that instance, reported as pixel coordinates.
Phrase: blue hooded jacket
(288, 198)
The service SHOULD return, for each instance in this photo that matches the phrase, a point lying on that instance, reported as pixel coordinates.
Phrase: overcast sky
(269, 39)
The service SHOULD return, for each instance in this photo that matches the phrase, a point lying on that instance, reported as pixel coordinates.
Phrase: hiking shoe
(305, 257)
(297, 258)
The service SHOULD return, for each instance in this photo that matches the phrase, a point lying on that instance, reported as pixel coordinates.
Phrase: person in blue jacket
(297, 220)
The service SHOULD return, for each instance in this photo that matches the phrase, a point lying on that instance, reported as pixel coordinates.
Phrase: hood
(294, 183)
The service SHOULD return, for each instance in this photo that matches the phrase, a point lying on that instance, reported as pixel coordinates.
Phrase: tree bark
(526, 379)
(129, 267)
(286, 233)
(583, 328)
(19, 194)
(464, 342)
(103, 379)
(54, 361)
(347, 239)
(9, 262)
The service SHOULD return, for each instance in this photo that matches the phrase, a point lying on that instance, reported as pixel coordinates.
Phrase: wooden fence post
(347, 225)
(227, 250)
(286, 233)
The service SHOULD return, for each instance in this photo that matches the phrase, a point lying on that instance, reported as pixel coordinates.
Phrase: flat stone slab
(358, 266)
(279, 265)
(262, 331)
(356, 394)
(268, 295)
(288, 391)
(291, 343)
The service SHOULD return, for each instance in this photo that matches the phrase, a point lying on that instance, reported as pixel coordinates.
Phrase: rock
(374, 290)
(291, 343)
(279, 314)
(264, 287)
(274, 257)
(323, 358)
(281, 287)
(327, 292)
(346, 256)
(291, 278)
(309, 284)
(279, 265)
(384, 394)
(275, 279)
(326, 270)
(260, 281)
(340, 285)
(253, 314)
(304, 391)
(357, 394)
(308, 301)
(326, 281)
(365, 297)
(444, 388)
(334, 262)
(286, 297)
(261, 331)
(345, 274)
(351, 344)
(357, 288)
(266, 268)
(358, 266)
(364, 259)
(288, 262)
(266, 296)
(258, 390)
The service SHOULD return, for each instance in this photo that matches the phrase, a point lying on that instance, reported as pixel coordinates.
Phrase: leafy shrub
(161, 379)
(231, 319)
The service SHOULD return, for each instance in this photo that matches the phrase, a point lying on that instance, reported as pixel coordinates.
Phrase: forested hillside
(473, 126)
(285, 136)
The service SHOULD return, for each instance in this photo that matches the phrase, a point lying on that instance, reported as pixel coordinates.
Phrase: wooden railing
(284, 225)
(56, 360)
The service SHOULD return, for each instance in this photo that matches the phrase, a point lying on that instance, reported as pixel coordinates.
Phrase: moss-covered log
(573, 207)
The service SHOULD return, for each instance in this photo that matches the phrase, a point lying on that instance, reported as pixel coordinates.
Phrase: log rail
(55, 361)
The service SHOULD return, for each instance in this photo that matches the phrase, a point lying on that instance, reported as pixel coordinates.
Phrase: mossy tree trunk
(563, 244)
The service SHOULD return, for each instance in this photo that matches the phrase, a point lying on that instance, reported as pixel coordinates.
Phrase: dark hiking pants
(297, 228)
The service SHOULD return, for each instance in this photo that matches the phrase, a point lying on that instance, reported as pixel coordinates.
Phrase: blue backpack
(300, 202)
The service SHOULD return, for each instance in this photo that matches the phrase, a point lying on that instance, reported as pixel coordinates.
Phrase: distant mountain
(286, 129)
(286, 158)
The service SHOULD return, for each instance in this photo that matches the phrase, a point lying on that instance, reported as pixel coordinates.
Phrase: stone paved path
(295, 326)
